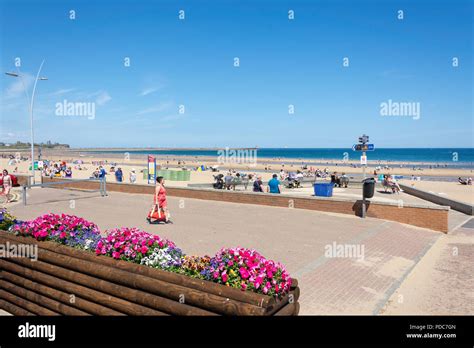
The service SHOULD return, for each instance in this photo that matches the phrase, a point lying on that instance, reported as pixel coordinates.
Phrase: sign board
(363, 160)
(151, 169)
(363, 147)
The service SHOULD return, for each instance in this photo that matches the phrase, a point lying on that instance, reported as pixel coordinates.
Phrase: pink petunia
(243, 273)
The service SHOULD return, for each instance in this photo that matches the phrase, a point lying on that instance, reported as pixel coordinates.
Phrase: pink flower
(116, 255)
(243, 273)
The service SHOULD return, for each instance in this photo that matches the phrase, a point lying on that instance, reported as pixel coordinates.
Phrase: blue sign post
(363, 147)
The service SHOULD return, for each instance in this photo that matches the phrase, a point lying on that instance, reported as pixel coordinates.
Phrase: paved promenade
(378, 258)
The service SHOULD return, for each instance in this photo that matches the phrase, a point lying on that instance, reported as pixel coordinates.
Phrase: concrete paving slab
(376, 255)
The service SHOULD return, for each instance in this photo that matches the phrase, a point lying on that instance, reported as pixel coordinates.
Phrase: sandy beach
(265, 167)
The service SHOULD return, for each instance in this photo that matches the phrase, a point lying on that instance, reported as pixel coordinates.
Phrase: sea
(422, 157)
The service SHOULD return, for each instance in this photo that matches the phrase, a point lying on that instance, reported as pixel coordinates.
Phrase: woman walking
(160, 204)
(7, 185)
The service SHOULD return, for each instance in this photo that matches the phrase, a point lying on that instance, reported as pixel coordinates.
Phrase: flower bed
(65, 229)
(7, 220)
(239, 268)
(248, 270)
(134, 245)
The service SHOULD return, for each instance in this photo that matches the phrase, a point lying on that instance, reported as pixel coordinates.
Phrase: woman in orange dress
(160, 197)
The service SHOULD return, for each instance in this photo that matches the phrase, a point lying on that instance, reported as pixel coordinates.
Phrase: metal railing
(102, 185)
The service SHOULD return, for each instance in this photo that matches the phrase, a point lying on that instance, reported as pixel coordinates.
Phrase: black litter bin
(368, 188)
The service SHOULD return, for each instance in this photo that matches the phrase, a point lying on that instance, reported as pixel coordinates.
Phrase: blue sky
(191, 62)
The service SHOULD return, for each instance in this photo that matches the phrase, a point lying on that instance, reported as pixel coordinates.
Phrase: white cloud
(157, 108)
(147, 91)
(62, 91)
(103, 98)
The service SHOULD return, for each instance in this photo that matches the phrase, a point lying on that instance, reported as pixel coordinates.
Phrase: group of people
(339, 180)
(391, 183)
(58, 169)
(467, 181)
(100, 173)
(273, 185)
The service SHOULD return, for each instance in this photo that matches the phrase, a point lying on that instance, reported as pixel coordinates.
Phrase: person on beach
(119, 175)
(237, 180)
(7, 185)
(160, 197)
(344, 180)
(228, 181)
(245, 181)
(102, 173)
(133, 176)
(274, 185)
(258, 184)
(68, 172)
(393, 183)
(282, 174)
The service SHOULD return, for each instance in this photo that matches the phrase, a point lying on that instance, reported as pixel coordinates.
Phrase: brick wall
(22, 179)
(435, 218)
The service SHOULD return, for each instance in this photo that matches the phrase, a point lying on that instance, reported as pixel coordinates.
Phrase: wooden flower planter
(68, 281)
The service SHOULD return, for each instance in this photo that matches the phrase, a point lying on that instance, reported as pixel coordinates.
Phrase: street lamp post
(364, 139)
(31, 104)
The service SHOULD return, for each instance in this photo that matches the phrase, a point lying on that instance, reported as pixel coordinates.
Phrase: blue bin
(323, 189)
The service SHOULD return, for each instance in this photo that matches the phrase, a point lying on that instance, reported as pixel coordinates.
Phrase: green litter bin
(145, 174)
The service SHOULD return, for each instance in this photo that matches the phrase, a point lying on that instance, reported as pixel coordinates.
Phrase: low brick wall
(432, 217)
(431, 197)
(23, 179)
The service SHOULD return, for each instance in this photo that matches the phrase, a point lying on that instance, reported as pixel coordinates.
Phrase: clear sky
(190, 62)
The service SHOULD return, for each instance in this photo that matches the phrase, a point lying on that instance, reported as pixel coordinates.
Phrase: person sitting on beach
(393, 184)
(467, 181)
(274, 185)
(57, 170)
(133, 176)
(119, 175)
(245, 181)
(237, 180)
(335, 180)
(282, 174)
(258, 184)
(228, 180)
(344, 180)
(68, 172)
